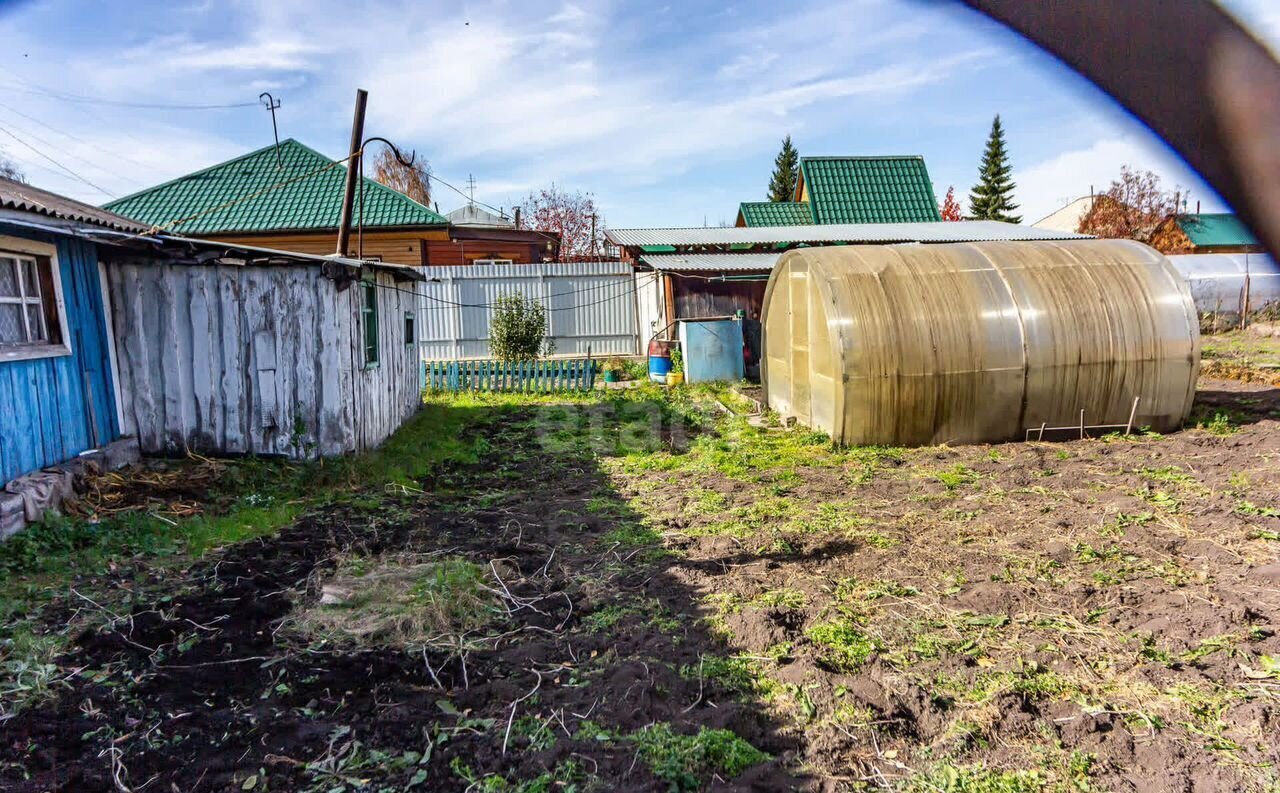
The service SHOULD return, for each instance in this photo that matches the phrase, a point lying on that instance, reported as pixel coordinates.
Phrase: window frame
(44, 255)
(493, 262)
(369, 324)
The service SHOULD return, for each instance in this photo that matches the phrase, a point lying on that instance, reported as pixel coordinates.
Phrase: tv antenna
(271, 103)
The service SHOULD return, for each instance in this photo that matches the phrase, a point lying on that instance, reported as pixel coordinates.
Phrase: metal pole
(353, 169)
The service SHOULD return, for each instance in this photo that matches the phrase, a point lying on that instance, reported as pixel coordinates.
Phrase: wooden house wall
(249, 360)
(394, 247)
(52, 409)
(386, 395)
(460, 252)
(697, 298)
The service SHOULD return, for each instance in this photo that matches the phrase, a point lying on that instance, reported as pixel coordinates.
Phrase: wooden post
(353, 170)
(1133, 413)
(669, 293)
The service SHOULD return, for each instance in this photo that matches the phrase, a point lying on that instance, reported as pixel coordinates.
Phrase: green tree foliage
(786, 172)
(992, 197)
(518, 330)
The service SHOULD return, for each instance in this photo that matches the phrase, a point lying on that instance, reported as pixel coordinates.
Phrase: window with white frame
(31, 322)
(493, 261)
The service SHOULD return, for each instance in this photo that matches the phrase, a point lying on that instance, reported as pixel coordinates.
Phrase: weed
(956, 476)
(784, 599)
(849, 589)
(1220, 424)
(1249, 508)
(402, 603)
(27, 672)
(843, 645)
(684, 761)
(975, 779)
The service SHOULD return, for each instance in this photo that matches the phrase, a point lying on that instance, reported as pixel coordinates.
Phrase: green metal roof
(775, 213)
(869, 189)
(310, 199)
(1214, 230)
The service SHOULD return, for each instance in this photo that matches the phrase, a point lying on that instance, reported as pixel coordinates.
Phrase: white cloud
(1052, 183)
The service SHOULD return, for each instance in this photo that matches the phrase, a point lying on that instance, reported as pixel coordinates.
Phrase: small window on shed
(410, 334)
(369, 314)
(31, 321)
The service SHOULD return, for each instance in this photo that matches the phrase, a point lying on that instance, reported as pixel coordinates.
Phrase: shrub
(518, 330)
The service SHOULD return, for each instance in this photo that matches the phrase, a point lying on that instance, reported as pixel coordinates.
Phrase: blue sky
(669, 114)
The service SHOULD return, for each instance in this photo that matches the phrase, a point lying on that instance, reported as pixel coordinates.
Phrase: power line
(93, 100)
(85, 160)
(55, 162)
(490, 207)
(76, 138)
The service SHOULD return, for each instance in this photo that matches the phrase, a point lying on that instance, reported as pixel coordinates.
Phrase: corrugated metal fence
(591, 306)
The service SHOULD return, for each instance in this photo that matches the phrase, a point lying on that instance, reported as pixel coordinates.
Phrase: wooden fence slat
(537, 377)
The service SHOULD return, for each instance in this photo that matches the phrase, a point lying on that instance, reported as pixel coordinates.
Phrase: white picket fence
(590, 305)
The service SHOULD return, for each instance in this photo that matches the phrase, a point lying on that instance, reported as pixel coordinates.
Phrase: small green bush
(518, 330)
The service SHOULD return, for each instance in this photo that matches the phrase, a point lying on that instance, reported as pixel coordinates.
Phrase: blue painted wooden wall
(46, 410)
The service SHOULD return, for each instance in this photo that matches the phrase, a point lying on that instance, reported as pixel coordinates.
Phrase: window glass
(8, 277)
(35, 323)
(12, 330)
(370, 311)
(26, 313)
(30, 281)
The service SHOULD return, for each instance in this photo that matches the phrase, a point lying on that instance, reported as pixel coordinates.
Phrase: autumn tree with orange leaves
(1134, 207)
(950, 206)
(572, 216)
(411, 177)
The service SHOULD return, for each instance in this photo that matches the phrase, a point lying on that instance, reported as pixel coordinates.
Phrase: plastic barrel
(659, 359)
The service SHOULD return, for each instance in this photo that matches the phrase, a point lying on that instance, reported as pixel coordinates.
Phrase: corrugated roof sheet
(869, 189)
(962, 231)
(775, 213)
(311, 201)
(719, 262)
(24, 197)
(1221, 229)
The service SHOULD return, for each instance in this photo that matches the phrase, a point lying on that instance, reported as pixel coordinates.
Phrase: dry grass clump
(404, 602)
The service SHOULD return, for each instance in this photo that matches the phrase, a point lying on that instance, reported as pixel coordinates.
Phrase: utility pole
(353, 170)
(593, 235)
(273, 104)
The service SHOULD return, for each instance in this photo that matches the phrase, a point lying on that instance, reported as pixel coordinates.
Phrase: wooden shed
(56, 393)
(231, 349)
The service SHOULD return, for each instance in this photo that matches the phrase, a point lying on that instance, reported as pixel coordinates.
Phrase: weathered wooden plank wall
(256, 360)
(51, 409)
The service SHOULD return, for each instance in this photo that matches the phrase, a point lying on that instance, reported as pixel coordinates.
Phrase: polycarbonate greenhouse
(973, 342)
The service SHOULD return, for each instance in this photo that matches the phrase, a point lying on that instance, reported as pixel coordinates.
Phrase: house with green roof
(773, 213)
(889, 189)
(1207, 232)
(289, 197)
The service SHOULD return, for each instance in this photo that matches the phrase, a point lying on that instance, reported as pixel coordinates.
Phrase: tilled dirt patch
(207, 687)
(1097, 614)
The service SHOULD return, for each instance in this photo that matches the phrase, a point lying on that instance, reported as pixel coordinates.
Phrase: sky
(670, 115)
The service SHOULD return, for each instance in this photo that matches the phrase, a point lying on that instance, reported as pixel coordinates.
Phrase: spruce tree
(992, 197)
(786, 172)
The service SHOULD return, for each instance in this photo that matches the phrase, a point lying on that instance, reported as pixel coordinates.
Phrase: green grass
(975, 779)
(684, 762)
(956, 476)
(841, 643)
